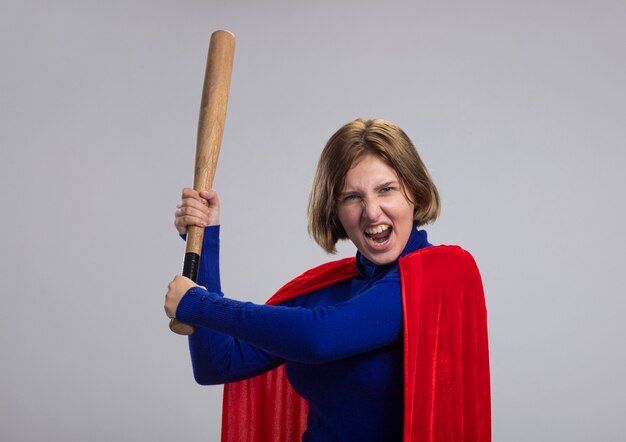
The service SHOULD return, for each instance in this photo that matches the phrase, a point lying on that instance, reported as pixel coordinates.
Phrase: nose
(371, 210)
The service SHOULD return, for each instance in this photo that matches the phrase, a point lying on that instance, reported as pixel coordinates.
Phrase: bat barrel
(211, 121)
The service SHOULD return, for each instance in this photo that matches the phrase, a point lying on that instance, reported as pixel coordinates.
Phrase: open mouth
(380, 234)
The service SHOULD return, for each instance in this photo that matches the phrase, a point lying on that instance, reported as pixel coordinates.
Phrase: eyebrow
(387, 184)
(380, 186)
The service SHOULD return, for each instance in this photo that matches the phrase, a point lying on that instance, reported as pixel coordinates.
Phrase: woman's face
(374, 211)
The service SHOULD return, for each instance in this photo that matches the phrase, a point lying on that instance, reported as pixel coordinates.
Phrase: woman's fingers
(176, 289)
(196, 209)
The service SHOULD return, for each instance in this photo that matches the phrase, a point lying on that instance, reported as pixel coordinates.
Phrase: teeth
(377, 229)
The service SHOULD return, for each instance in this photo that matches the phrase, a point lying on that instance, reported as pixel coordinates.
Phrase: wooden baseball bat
(219, 69)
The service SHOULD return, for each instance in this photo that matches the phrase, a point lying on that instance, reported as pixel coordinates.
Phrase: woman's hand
(175, 292)
(197, 209)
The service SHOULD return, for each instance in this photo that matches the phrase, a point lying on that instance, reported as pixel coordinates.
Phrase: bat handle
(180, 328)
(190, 270)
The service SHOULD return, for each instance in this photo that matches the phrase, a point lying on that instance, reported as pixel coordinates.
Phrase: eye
(386, 189)
(349, 198)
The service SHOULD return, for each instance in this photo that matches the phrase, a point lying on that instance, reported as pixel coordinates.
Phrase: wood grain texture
(211, 122)
(212, 118)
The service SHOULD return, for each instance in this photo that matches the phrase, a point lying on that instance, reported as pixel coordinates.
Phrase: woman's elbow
(202, 376)
(202, 380)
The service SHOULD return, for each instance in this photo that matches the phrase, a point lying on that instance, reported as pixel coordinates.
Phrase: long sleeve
(218, 358)
(365, 322)
(209, 270)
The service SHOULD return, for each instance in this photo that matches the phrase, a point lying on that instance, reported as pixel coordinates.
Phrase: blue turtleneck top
(342, 344)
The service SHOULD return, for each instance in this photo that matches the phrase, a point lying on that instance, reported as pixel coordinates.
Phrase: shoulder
(443, 276)
(440, 252)
(443, 259)
(321, 276)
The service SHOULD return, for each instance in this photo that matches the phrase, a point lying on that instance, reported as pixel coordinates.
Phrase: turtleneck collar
(417, 240)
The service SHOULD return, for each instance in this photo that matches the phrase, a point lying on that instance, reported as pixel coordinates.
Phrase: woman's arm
(368, 321)
(216, 358)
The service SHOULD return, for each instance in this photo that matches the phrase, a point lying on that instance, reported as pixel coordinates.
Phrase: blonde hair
(342, 151)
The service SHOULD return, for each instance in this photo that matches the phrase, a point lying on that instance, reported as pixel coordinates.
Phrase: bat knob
(181, 328)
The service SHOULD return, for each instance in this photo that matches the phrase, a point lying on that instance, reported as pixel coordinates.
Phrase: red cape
(446, 358)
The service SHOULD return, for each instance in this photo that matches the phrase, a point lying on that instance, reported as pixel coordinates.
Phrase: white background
(517, 108)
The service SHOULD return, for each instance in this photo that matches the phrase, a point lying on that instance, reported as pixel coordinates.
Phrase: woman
(386, 345)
